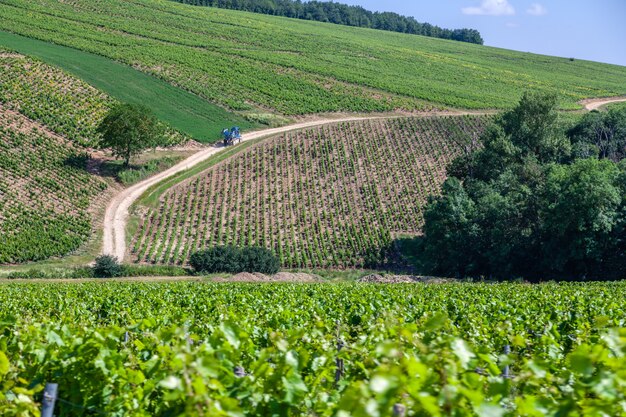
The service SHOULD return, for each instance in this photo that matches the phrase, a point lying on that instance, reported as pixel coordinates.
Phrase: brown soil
(402, 279)
(280, 277)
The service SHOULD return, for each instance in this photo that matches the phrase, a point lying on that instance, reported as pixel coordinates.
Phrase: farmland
(139, 349)
(45, 193)
(67, 106)
(184, 113)
(46, 119)
(259, 65)
(332, 196)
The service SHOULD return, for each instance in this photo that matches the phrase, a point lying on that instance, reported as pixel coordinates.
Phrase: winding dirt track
(116, 215)
(595, 104)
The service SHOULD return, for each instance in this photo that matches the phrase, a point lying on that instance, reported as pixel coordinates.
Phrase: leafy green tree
(129, 129)
(107, 266)
(601, 134)
(520, 206)
(582, 209)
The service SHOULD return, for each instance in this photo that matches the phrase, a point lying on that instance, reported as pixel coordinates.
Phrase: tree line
(343, 14)
(534, 199)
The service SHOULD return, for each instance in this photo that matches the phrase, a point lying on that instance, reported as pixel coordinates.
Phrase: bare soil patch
(402, 279)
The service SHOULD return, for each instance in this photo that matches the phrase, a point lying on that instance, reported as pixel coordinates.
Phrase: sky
(582, 29)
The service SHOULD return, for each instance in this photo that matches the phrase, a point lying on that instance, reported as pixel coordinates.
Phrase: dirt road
(116, 216)
(596, 103)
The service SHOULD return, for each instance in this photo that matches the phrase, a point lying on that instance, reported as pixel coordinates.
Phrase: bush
(230, 259)
(256, 259)
(107, 267)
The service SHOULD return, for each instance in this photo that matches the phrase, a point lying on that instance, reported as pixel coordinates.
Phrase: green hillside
(180, 109)
(334, 196)
(256, 63)
(46, 119)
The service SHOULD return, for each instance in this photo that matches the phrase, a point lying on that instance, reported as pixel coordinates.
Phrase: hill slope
(181, 110)
(249, 62)
(45, 192)
(331, 196)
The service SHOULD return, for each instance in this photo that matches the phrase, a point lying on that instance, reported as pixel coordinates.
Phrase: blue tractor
(231, 136)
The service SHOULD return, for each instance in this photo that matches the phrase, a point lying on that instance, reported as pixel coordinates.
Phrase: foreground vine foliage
(152, 349)
(332, 196)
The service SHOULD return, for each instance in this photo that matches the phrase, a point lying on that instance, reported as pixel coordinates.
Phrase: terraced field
(260, 64)
(331, 196)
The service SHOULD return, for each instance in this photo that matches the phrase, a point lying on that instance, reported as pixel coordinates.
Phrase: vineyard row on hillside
(332, 196)
(252, 62)
(45, 192)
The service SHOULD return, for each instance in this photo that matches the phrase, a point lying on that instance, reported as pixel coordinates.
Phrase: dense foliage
(331, 196)
(128, 130)
(526, 205)
(256, 63)
(233, 260)
(106, 266)
(601, 134)
(343, 14)
(198, 349)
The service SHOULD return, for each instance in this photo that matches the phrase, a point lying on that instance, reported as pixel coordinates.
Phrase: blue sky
(583, 29)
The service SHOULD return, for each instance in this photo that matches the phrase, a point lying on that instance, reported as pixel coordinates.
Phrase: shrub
(257, 259)
(107, 266)
(231, 259)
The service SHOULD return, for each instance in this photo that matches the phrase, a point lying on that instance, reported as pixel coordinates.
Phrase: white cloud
(491, 8)
(537, 9)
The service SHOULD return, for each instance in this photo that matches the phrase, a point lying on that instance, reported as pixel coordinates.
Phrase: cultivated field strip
(45, 192)
(330, 196)
(257, 63)
(65, 104)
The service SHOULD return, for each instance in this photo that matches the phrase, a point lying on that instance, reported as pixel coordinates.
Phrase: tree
(602, 134)
(128, 130)
(107, 266)
(520, 206)
(581, 213)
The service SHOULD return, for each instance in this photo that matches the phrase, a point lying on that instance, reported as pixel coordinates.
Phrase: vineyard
(331, 196)
(46, 119)
(258, 64)
(66, 105)
(194, 349)
(45, 192)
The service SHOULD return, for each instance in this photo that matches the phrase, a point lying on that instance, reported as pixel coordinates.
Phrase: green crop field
(183, 111)
(201, 349)
(47, 117)
(45, 192)
(258, 64)
(332, 196)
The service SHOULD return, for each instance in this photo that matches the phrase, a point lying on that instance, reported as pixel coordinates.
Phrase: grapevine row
(332, 196)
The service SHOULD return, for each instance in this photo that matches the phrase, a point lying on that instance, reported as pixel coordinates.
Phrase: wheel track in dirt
(117, 212)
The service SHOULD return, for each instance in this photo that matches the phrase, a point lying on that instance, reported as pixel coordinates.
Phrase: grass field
(334, 196)
(202, 349)
(180, 109)
(258, 64)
